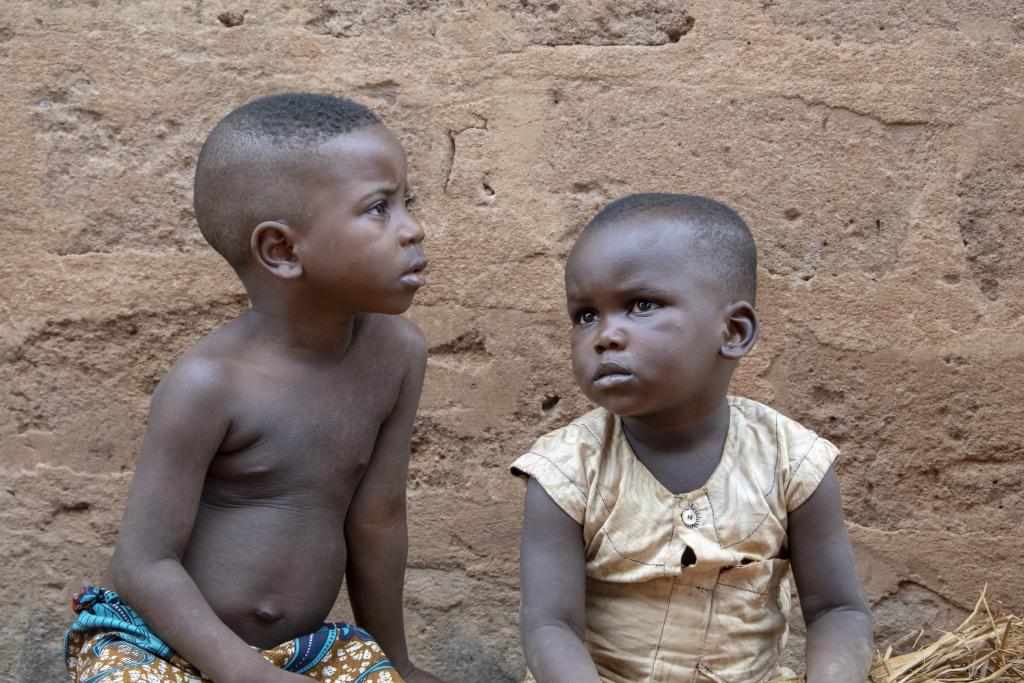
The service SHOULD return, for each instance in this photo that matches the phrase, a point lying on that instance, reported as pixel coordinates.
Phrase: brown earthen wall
(875, 147)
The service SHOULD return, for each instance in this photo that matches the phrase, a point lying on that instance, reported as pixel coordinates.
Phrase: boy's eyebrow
(386, 188)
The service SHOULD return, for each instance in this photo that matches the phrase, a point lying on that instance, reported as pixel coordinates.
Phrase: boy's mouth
(415, 274)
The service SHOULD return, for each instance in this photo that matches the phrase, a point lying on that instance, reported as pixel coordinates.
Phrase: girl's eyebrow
(649, 292)
(644, 289)
(641, 290)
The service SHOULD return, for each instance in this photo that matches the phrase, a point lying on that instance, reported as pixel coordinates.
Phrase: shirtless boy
(659, 529)
(274, 464)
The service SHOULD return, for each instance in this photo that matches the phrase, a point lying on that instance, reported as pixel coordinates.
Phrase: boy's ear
(741, 330)
(273, 246)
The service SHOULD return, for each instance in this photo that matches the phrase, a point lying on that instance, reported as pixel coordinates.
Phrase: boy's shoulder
(213, 359)
(198, 387)
(393, 340)
(205, 368)
(392, 333)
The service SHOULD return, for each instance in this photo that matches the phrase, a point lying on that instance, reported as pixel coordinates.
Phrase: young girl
(660, 528)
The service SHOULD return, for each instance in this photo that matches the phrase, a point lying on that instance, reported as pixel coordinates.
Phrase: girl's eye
(410, 200)
(642, 306)
(586, 317)
(378, 208)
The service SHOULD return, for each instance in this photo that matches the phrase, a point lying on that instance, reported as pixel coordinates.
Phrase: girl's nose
(610, 336)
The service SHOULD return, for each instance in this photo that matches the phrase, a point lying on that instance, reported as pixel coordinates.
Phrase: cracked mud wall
(876, 149)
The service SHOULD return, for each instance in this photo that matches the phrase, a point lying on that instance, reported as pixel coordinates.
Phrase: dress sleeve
(810, 456)
(557, 462)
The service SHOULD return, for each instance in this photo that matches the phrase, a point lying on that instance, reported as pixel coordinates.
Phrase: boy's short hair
(242, 172)
(718, 232)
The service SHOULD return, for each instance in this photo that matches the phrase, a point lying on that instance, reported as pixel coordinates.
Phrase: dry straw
(987, 646)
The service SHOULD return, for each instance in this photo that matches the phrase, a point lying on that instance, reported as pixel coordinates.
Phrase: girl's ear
(273, 246)
(741, 330)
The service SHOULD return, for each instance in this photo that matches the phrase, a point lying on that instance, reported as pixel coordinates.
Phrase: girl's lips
(609, 367)
(613, 379)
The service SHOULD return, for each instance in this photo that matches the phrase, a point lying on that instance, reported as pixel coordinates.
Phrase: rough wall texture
(876, 148)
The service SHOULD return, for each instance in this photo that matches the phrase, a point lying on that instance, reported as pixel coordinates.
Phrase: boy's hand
(421, 676)
(282, 676)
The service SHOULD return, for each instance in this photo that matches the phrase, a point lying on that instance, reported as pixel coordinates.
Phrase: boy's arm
(839, 638)
(553, 586)
(187, 423)
(375, 527)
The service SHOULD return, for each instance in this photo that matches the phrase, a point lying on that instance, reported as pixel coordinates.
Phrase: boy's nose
(411, 232)
(610, 337)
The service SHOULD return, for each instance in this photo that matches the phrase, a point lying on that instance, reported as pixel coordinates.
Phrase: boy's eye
(378, 208)
(410, 200)
(642, 306)
(586, 317)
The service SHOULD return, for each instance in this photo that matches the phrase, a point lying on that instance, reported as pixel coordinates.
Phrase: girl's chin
(621, 408)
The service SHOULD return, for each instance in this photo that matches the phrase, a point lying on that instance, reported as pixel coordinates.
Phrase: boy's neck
(318, 337)
(675, 434)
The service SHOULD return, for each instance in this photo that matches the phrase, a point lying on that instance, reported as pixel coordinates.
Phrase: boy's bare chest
(301, 438)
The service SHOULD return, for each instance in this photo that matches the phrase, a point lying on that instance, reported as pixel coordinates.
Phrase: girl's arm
(553, 586)
(839, 638)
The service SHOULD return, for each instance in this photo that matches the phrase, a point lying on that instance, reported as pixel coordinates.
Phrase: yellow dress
(691, 586)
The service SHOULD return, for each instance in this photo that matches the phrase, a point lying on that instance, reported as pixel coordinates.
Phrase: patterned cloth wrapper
(109, 643)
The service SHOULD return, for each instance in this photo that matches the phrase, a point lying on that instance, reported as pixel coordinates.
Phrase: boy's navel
(268, 613)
